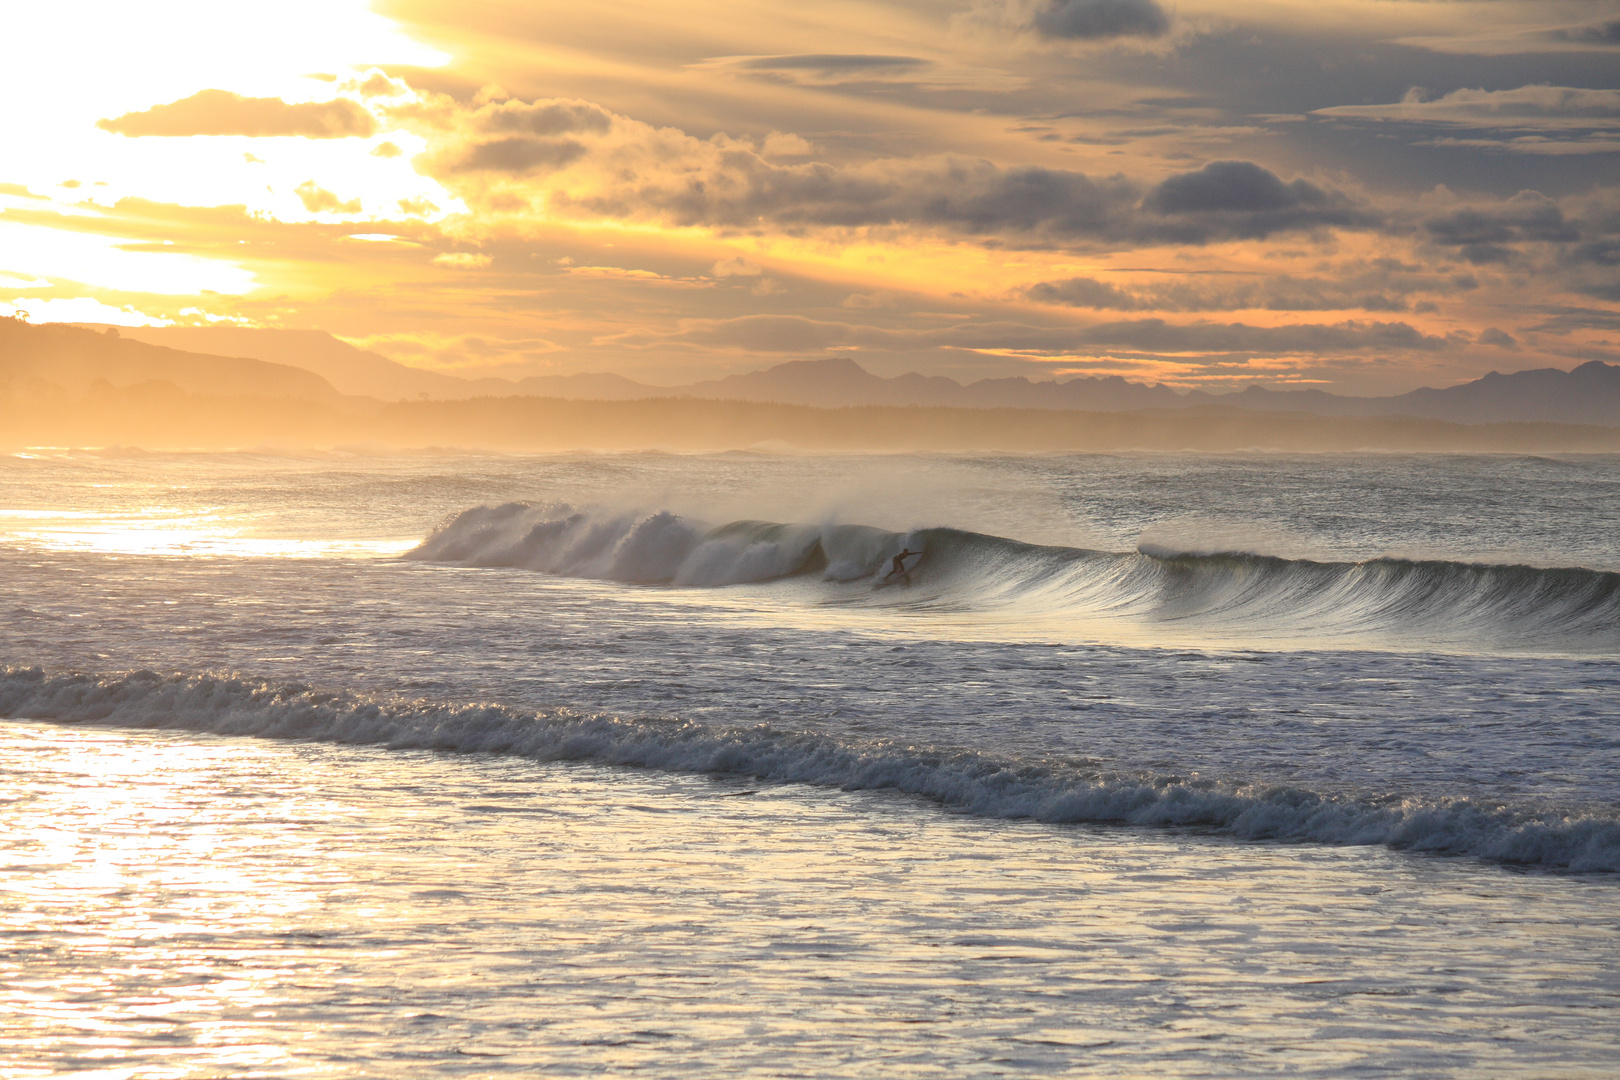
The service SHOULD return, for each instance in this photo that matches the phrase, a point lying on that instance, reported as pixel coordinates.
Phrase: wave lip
(1162, 589)
(964, 780)
(1426, 599)
(657, 548)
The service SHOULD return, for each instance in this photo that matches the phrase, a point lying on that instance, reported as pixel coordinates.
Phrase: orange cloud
(220, 112)
(317, 199)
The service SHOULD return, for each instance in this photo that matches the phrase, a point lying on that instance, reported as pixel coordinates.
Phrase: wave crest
(1434, 602)
(973, 782)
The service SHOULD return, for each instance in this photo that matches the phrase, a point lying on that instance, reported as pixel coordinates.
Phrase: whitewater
(1373, 701)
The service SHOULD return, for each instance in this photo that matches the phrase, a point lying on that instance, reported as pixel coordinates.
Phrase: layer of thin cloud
(1138, 337)
(220, 112)
(1381, 285)
(1542, 120)
(865, 69)
(463, 260)
(1541, 106)
(632, 276)
(1600, 35)
(827, 67)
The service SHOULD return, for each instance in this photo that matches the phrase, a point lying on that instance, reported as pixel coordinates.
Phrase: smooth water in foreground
(1151, 766)
(178, 905)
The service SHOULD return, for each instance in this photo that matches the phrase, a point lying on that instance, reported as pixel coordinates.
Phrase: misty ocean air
(1192, 766)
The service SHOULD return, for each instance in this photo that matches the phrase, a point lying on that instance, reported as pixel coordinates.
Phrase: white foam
(748, 551)
(653, 549)
(968, 781)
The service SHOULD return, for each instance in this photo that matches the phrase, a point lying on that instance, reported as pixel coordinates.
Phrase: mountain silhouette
(1590, 394)
(56, 360)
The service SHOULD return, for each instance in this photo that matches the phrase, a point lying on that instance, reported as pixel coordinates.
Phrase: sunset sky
(1364, 196)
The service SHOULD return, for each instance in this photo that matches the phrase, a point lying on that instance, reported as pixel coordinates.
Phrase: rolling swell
(973, 782)
(1436, 603)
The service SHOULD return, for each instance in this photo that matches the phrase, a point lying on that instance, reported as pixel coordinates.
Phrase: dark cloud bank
(740, 189)
(723, 184)
(1099, 20)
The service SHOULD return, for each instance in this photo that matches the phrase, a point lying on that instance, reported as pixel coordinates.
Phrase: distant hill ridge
(56, 360)
(1590, 394)
(361, 373)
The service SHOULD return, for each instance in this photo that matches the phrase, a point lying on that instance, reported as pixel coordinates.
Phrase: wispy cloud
(855, 70)
(1543, 120)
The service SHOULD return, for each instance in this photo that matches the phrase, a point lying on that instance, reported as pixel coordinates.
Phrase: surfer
(900, 563)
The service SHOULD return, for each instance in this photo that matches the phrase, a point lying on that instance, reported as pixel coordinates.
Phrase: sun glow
(117, 262)
(62, 209)
(172, 531)
(622, 188)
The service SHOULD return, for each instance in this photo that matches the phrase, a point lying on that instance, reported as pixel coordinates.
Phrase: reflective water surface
(190, 906)
(177, 900)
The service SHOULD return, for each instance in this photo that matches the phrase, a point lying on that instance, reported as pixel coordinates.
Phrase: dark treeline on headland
(157, 415)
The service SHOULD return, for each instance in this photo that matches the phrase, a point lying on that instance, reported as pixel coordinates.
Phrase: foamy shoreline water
(956, 778)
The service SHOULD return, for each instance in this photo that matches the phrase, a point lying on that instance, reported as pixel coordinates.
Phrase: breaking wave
(1439, 603)
(977, 783)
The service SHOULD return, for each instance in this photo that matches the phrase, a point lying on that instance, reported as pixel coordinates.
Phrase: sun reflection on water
(169, 530)
(176, 905)
(125, 884)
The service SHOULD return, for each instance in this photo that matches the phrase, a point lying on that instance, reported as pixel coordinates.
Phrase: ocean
(358, 764)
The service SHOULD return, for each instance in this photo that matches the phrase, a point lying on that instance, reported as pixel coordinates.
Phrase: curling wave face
(970, 781)
(1172, 593)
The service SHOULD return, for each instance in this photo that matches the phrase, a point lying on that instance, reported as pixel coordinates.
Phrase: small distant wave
(1439, 603)
(969, 781)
